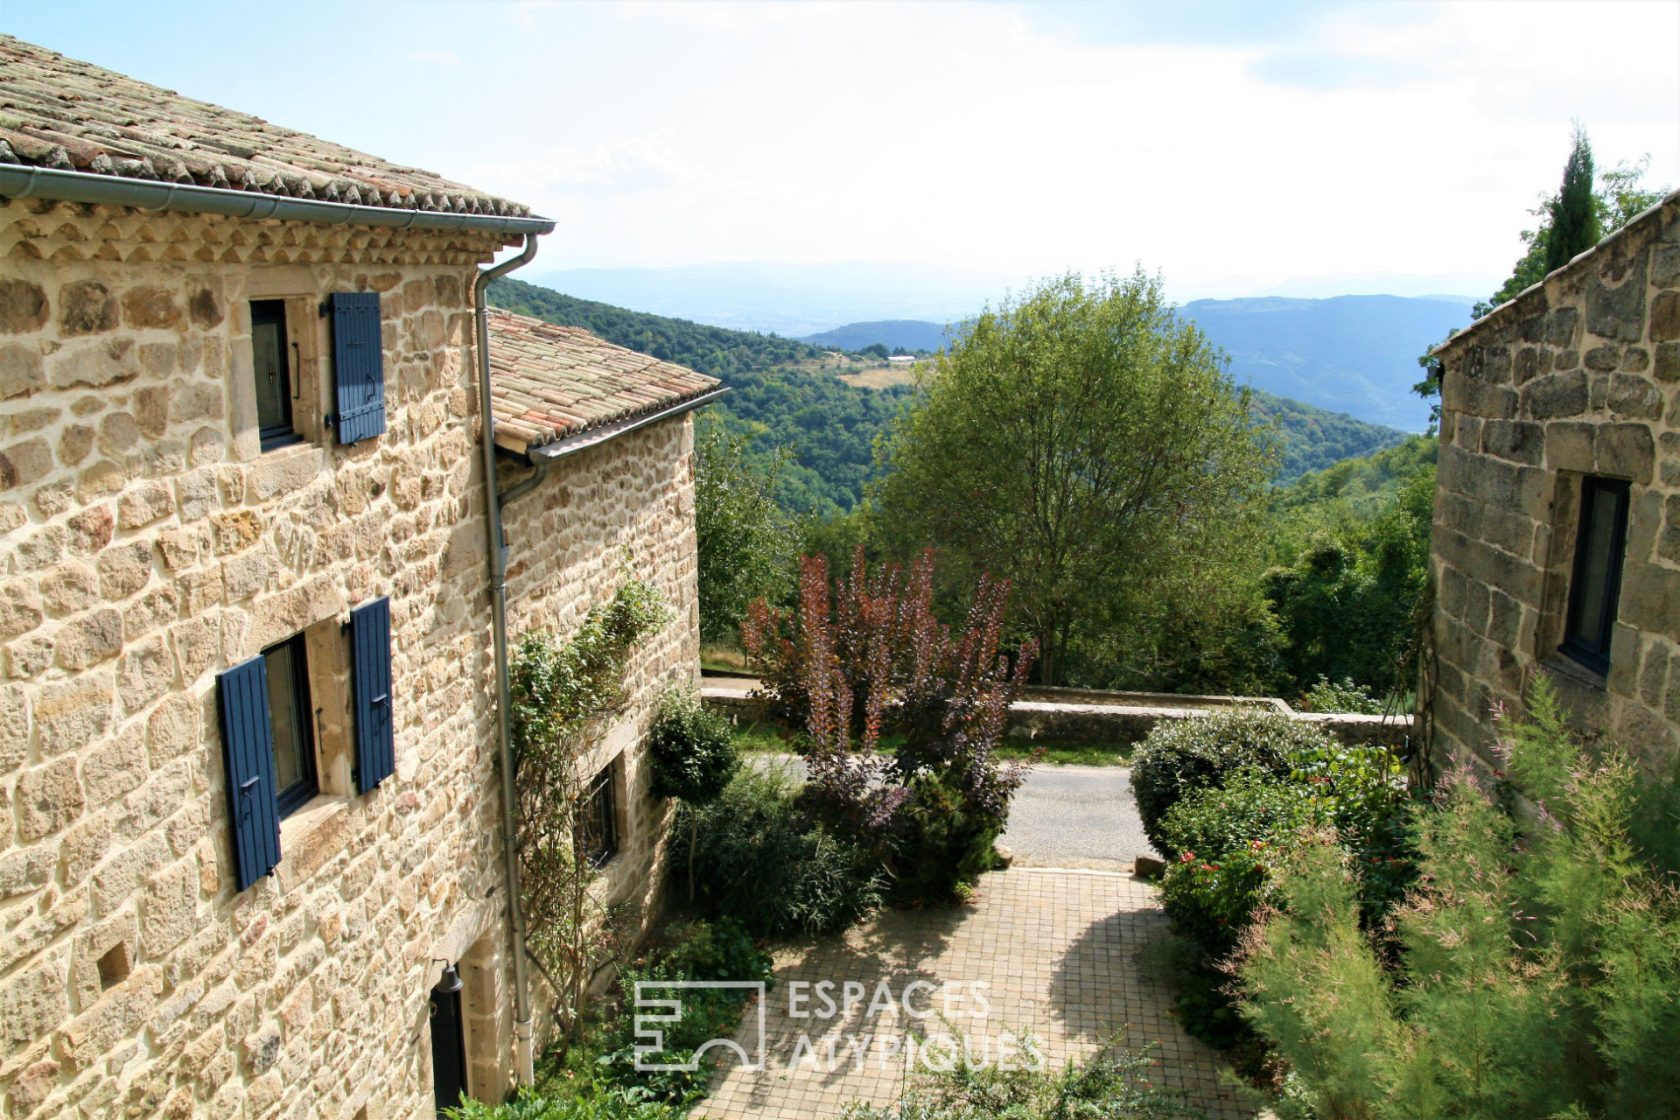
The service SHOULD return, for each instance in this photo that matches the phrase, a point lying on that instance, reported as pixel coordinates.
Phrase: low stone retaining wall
(1080, 715)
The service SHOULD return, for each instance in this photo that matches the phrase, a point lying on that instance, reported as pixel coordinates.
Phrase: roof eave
(18, 181)
(593, 437)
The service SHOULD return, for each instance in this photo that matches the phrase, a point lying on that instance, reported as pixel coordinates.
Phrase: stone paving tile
(1052, 955)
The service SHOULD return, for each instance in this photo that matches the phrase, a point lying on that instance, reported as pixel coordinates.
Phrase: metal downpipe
(524, 1058)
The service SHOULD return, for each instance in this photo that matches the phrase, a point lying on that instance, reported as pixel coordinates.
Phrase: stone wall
(1578, 377)
(622, 508)
(147, 545)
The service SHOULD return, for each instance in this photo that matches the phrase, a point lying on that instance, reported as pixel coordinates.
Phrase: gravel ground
(1069, 816)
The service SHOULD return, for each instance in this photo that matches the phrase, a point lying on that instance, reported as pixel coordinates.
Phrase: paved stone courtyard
(1055, 956)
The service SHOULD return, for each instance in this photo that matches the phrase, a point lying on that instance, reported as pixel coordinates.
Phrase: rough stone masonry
(1578, 378)
(146, 544)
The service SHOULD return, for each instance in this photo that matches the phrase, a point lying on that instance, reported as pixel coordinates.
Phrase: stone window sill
(310, 837)
(1571, 670)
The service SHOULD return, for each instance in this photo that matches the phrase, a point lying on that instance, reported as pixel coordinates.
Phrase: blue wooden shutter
(248, 748)
(358, 365)
(370, 657)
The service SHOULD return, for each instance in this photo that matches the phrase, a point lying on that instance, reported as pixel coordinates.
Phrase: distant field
(881, 376)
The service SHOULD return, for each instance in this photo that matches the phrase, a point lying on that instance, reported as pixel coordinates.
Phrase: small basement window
(1600, 545)
(276, 379)
(600, 818)
(289, 718)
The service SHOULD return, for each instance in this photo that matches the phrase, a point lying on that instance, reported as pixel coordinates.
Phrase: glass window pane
(268, 353)
(286, 715)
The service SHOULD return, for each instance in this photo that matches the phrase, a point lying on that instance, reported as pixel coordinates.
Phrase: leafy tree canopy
(1084, 443)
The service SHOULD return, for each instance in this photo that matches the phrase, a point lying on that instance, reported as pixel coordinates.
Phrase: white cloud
(1384, 140)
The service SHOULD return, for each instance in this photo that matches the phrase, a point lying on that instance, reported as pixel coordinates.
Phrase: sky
(1233, 148)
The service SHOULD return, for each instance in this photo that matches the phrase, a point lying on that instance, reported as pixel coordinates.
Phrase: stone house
(251, 802)
(1556, 543)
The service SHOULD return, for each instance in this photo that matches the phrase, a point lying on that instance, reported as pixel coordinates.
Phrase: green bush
(585, 1102)
(762, 861)
(1212, 899)
(1249, 805)
(1181, 756)
(1229, 837)
(944, 843)
(692, 748)
(1538, 956)
(1115, 1084)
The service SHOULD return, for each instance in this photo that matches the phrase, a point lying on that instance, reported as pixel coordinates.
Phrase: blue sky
(1237, 148)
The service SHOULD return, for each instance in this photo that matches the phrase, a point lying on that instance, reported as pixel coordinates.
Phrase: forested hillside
(895, 334)
(827, 426)
(714, 350)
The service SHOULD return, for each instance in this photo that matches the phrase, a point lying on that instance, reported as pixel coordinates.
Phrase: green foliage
(586, 1102)
(1340, 696)
(686, 950)
(1349, 597)
(1181, 756)
(825, 428)
(1574, 226)
(1085, 444)
(1229, 837)
(1537, 962)
(1307, 438)
(745, 540)
(1115, 1084)
(943, 842)
(1247, 805)
(717, 351)
(767, 864)
(1211, 899)
(692, 749)
(558, 689)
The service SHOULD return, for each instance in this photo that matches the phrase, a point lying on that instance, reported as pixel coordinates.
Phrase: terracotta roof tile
(60, 113)
(548, 382)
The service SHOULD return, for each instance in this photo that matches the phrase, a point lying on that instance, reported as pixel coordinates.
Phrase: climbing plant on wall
(559, 690)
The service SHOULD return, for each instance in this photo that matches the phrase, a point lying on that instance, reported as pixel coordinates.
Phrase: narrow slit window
(275, 379)
(289, 716)
(1600, 544)
(600, 819)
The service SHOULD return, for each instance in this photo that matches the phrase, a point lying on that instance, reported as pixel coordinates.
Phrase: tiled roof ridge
(65, 114)
(549, 381)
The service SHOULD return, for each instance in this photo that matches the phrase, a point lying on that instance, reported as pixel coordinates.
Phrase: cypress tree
(1574, 212)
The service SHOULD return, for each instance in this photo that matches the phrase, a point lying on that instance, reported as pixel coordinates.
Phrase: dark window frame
(599, 834)
(272, 312)
(295, 796)
(1593, 651)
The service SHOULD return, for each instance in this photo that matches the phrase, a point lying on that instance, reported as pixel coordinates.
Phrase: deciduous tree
(1084, 443)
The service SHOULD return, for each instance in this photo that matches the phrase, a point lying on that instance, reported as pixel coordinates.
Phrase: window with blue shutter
(370, 653)
(358, 365)
(248, 748)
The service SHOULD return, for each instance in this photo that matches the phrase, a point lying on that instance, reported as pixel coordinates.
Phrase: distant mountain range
(792, 300)
(1350, 354)
(783, 398)
(894, 334)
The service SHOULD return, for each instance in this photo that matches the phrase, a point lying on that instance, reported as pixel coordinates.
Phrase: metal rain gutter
(524, 1059)
(583, 441)
(113, 190)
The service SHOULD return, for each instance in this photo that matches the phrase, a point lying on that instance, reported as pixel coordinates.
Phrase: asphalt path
(1069, 816)
(1075, 816)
